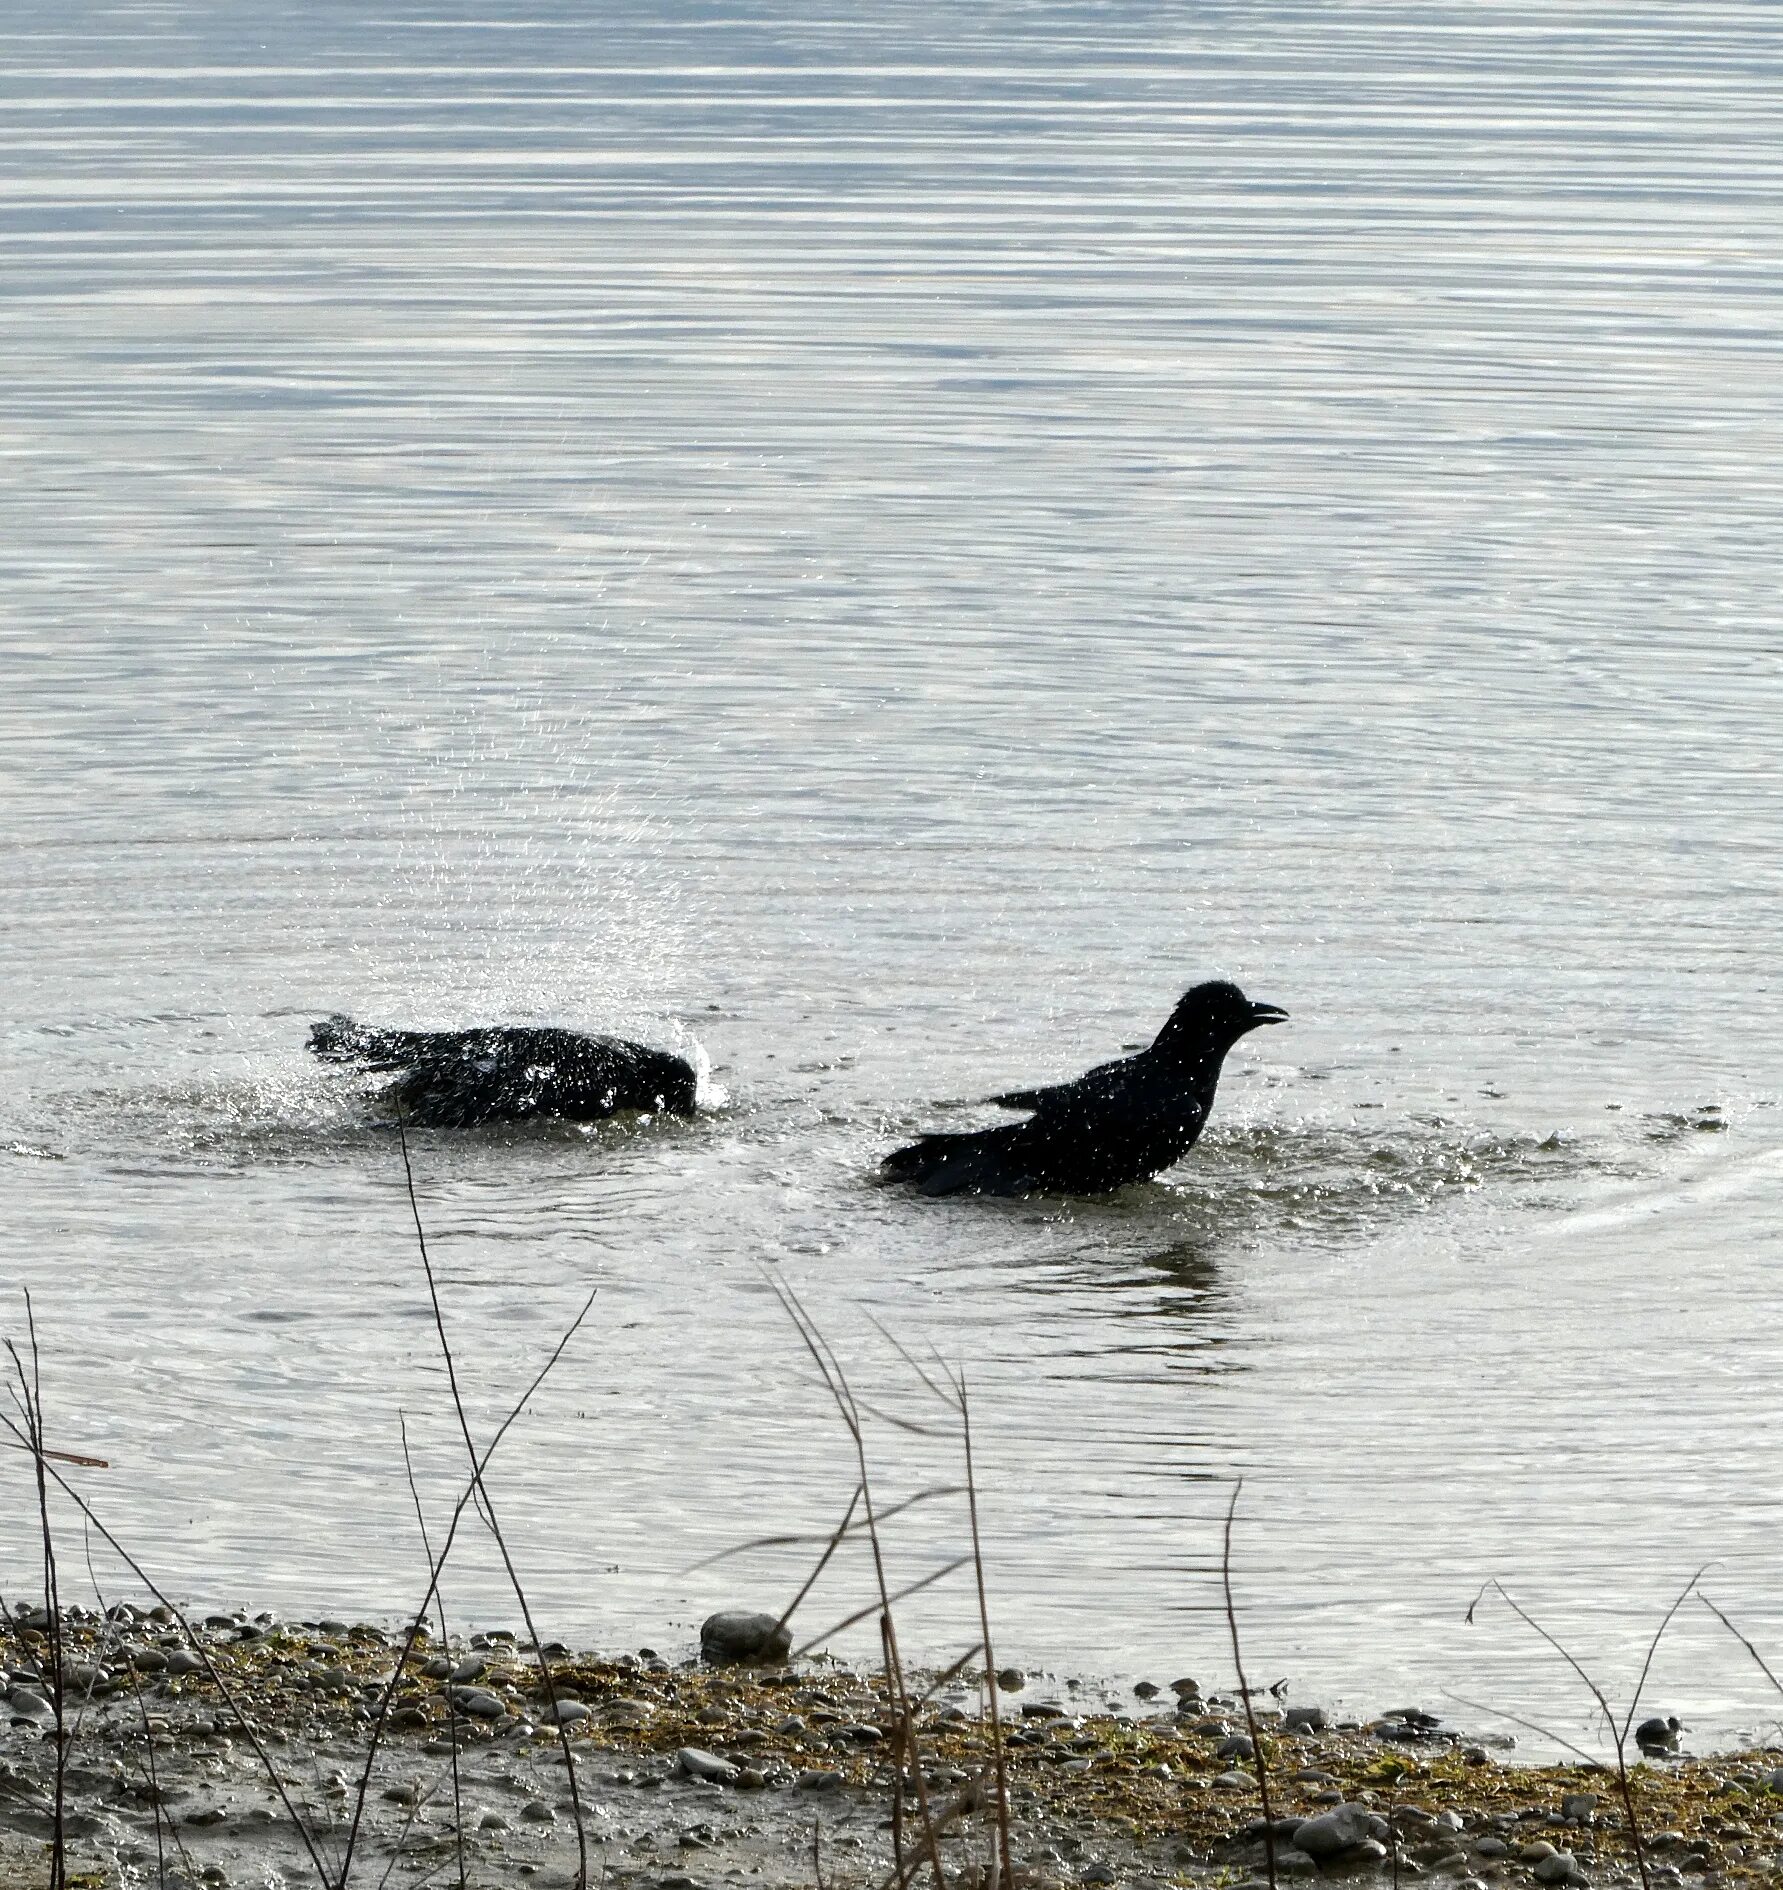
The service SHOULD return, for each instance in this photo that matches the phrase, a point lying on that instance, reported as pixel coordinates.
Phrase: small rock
(567, 1712)
(536, 1811)
(478, 1702)
(182, 1660)
(1097, 1872)
(1579, 1805)
(435, 1667)
(1186, 1689)
(147, 1659)
(1237, 1746)
(212, 1814)
(1011, 1679)
(472, 1669)
(1562, 1867)
(819, 1781)
(1306, 1719)
(1341, 1829)
(1146, 1690)
(1537, 1853)
(403, 1794)
(735, 1637)
(1491, 1847)
(493, 1821)
(708, 1765)
(1233, 1781)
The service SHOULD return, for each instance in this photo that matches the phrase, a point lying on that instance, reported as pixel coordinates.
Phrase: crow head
(1212, 1017)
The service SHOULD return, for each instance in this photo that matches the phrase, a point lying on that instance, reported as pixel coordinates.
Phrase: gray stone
(493, 1821)
(819, 1781)
(28, 1704)
(536, 1811)
(182, 1661)
(1097, 1872)
(567, 1712)
(1338, 1830)
(1238, 1746)
(478, 1702)
(1306, 1719)
(736, 1637)
(1537, 1853)
(1579, 1805)
(472, 1669)
(1562, 1867)
(147, 1659)
(1011, 1679)
(1491, 1847)
(699, 1764)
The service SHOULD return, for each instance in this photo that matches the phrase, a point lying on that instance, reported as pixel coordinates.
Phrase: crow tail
(976, 1162)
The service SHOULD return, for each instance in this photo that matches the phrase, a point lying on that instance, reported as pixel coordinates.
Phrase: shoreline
(689, 1774)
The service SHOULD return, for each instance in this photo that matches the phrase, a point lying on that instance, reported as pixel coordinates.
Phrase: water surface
(891, 544)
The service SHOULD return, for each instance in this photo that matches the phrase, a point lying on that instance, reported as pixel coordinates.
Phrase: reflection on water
(893, 547)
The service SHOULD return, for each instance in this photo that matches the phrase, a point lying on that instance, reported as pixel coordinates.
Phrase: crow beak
(1267, 1014)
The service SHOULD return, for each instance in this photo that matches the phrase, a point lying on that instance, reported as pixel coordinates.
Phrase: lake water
(892, 542)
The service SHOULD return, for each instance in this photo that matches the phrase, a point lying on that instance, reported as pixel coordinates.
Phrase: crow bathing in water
(1120, 1122)
(456, 1079)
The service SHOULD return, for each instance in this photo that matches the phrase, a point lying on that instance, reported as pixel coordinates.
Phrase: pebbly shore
(236, 1751)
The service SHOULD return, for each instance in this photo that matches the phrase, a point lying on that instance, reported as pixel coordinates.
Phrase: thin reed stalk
(1618, 1728)
(487, 1505)
(1244, 1692)
(28, 1396)
(906, 1749)
(408, 1467)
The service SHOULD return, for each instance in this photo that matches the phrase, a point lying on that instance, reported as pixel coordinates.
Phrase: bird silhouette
(459, 1079)
(1120, 1122)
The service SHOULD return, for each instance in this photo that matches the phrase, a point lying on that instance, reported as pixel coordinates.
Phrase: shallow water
(891, 546)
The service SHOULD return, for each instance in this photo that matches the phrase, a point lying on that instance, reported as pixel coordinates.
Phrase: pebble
(1579, 1805)
(1306, 1719)
(536, 1811)
(400, 1794)
(147, 1659)
(1491, 1847)
(472, 1669)
(1537, 1853)
(1562, 1867)
(1237, 1746)
(819, 1781)
(708, 1765)
(493, 1821)
(1011, 1679)
(27, 1704)
(1341, 1829)
(182, 1661)
(478, 1702)
(567, 1712)
(735, 1636)
(1097, 1872)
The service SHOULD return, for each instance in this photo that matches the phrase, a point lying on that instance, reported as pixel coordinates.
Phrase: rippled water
(892, 543)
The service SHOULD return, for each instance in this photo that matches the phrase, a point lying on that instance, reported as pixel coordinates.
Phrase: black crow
(1120, 1122)
(456, 1079)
